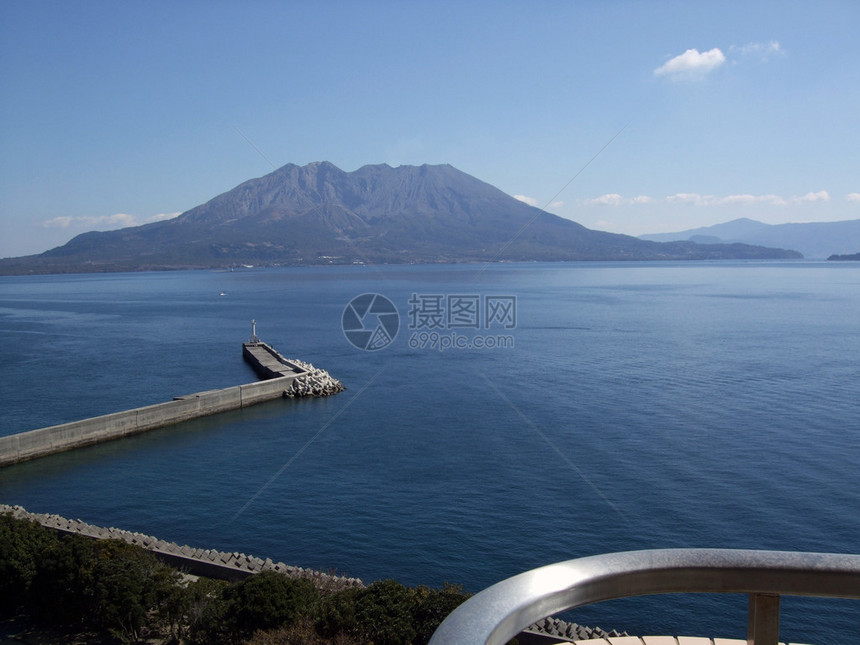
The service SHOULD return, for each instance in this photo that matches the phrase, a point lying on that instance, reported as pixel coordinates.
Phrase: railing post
(763, 621)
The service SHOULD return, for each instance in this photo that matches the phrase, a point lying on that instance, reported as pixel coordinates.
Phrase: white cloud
(852, 197)
(58, 222)
(739, 199)
(160, 217)
(117, 220)
(691, 198)
(614, 199)
(776, 200)
(610, 199)
(745, 198)
(694, 65)
(641, 199)
(820, 196)
(763, 51)
(691, 65)
(698, 199)
(104, 222)
(531, 201)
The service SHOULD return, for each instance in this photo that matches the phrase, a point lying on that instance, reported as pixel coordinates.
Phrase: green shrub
(125, 583)
(22, 544)
(432, 606)
(105, 585)
(61, 592)
(335, 614)
(208, 613)
(270, 599)
(386, 613)
(174, 602)
(117, 588)
(301, 632)
(383, 612)
(232, 613)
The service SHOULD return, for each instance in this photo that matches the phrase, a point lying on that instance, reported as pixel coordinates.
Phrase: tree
(125, 583)
(384, 613)
(335, 614)
(22, 543)
(105, 585)
(432, 606)
(271, 599)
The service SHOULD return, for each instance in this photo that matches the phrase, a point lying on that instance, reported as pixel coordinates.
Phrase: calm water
(642, 406)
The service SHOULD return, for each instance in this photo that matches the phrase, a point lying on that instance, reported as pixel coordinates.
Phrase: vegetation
(122, 593)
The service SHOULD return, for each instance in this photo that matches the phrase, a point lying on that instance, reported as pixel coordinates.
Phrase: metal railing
(497, 614)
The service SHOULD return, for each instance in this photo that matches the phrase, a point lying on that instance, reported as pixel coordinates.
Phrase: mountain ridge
(320, 214)
(816, 240)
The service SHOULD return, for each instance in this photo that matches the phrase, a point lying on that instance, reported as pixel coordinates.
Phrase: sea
(515, 415)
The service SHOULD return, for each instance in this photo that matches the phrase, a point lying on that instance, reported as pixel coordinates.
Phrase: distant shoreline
(6, 270)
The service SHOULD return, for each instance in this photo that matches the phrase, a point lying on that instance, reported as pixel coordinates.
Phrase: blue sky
(117, 113)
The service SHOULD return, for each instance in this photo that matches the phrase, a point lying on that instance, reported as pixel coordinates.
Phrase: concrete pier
(268, 363)
(278, 372)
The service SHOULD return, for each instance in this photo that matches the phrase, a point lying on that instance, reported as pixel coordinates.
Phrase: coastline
(209, 563)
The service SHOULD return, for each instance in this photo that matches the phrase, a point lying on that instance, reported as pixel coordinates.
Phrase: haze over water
(642, 406)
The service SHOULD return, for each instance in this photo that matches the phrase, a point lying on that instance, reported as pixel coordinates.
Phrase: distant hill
(319, 214)
(816, 240)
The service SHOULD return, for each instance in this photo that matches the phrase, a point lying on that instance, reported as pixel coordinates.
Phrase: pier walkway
(268, 363)
(280, 378)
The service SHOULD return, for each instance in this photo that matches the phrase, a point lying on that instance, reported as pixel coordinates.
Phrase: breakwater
(282, 377)
(267, 362)
(45, 441)
(201, 562)
(314, 382)
(222, 565)
(309, 380)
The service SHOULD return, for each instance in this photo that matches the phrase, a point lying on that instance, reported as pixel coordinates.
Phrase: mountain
(319, 214)
(816, 240)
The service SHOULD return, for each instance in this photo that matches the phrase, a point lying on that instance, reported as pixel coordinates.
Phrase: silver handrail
(497, 614)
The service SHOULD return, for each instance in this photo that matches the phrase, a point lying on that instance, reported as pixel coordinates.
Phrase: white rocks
(313, 384)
